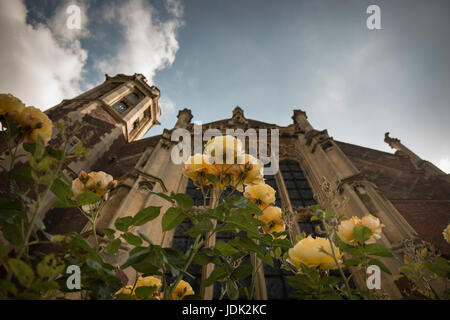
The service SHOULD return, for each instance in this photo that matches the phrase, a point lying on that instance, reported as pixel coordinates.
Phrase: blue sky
(268, 57)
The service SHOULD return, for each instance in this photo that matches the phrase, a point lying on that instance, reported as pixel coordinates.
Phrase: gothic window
(297, 185)
(120, 107)
(246, 282)
(276, 283)
(195, 193)
(181, 241)
(270, 180)
(310, 227)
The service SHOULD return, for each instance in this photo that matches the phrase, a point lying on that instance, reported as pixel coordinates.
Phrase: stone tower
(117, 112)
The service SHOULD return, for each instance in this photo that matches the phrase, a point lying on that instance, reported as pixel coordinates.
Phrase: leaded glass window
(181, 241)
(297, 185)
(270, 180)
(196, 194)
(133, 98)
(276, 283)
(120, 107)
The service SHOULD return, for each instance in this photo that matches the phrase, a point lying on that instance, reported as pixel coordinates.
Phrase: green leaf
(183, 200)
(122, 224)
(268, 259)
(243, 271)
(225, 248)
(172, 218)
(9, 208)
(113, 246)
(146, 215)
(200, 228)
(212, 178)
(247, 244)
(144, 292)
(144, 237)
(22, 272)
(352, 262)
(376, 249)
(163, 196)
(21, 173)
(232, 290)
(136, 255)
(12, 233)
(29, 147)
(205, 257)
(49, 267)
(362, 233)
(380, 264)
(88, 197)
(132, 239)
(355, 251)
(439, 266)
(217, 274)
(282, 243)
(61, 189)
(65, 204)
(109, 233)
(244, 222)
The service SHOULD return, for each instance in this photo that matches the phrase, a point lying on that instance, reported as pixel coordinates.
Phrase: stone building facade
(409, 195)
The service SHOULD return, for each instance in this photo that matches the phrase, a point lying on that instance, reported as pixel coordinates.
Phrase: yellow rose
(261, 194)
(183, 289)
(345, 229)
(273, 219)
(309, 252)
(374, 224)
(10, 105)
(248, 170)
(446, 234)
(98, 182)
(128, 290)
(224, 149)
(197, 166)
(36, 123)
(150, 281)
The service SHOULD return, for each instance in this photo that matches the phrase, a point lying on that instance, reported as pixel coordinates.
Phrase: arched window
(120, 107)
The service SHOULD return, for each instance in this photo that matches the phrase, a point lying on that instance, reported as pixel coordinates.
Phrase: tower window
(133, 98)
(136, 124)
(120, 107)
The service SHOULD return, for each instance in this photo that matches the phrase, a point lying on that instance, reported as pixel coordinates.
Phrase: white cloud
(37, 65)
(444, 165)
(58, 24)
(150, 44)
(168, 107)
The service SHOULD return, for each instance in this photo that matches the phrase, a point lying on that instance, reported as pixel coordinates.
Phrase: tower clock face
(120, 107)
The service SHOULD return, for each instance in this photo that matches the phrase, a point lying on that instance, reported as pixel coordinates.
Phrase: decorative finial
(392, 142)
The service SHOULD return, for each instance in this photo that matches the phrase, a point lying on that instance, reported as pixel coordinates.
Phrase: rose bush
(316, 265)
